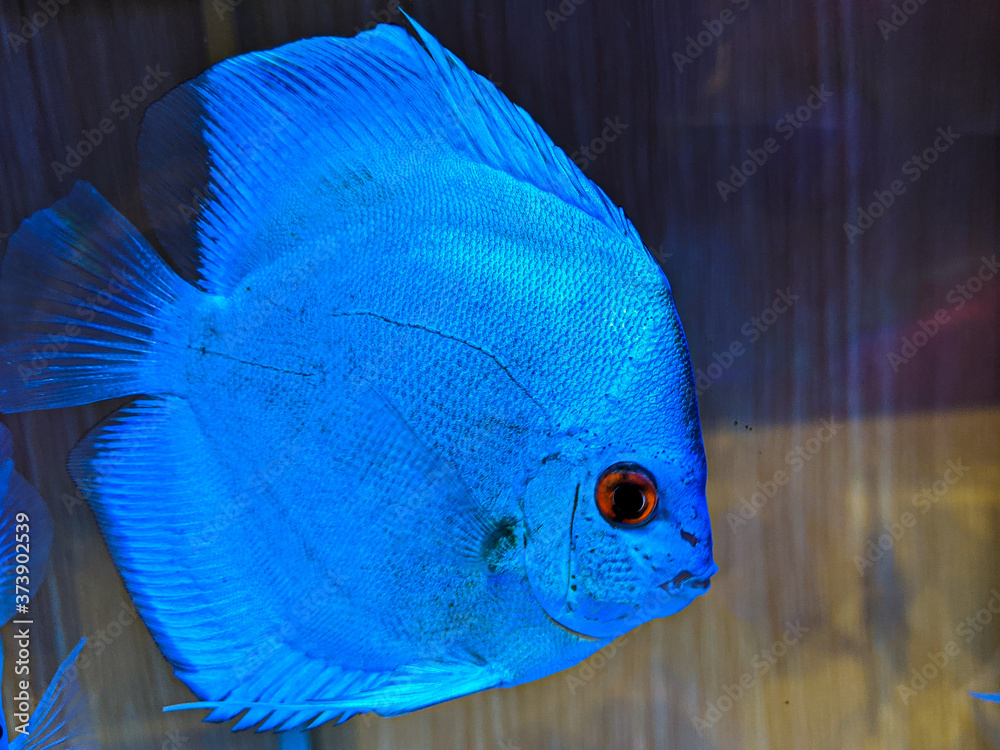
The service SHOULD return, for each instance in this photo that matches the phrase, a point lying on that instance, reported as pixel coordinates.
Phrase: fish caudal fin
(82, 298)
(62, 719)
(25, 532)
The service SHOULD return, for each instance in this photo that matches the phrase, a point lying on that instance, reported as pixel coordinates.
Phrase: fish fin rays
(388, 694)
(81, 294)
(463, 524)
(19, 496)
(147, 472)
(215, 151)
(161, 499)
(62, 720)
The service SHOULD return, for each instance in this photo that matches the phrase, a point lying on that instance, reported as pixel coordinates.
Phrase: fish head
(632, 541)
(617, 530)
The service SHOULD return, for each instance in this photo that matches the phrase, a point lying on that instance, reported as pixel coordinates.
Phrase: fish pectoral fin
(62, 719)
(458, 529)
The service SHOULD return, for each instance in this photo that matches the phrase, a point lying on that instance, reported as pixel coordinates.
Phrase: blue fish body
(423, 382)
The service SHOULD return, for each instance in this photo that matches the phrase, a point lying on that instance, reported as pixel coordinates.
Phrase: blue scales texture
(405, 337)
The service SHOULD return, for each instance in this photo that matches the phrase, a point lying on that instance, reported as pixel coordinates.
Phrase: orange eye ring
(626, 495)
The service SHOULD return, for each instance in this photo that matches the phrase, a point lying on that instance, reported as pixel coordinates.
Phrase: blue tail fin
(82, 298)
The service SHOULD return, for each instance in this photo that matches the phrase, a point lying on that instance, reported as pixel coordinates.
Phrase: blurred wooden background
(799, 644)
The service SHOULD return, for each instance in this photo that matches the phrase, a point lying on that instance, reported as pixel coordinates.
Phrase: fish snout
(690, 584)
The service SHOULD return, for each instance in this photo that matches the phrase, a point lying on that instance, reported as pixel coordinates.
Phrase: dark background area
(572, 67)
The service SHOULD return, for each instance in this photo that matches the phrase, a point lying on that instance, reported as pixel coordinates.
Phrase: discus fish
(61, 720)
(415, 417)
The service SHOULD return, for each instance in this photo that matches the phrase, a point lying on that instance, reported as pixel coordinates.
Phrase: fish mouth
(687, 583)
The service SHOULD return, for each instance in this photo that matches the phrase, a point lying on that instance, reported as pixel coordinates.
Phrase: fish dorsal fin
(34, 533)
(216, 151)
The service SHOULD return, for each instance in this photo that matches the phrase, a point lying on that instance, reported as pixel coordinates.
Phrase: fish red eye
(626, 494)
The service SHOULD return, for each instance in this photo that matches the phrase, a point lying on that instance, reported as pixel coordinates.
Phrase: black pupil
(627, 502)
